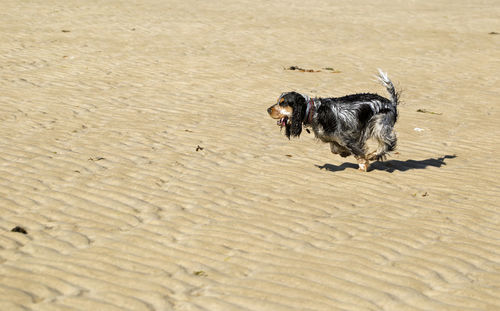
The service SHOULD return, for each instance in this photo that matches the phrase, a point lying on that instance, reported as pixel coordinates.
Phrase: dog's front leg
(372, 156)
(338, 149)
(363, 163)
(360, 155)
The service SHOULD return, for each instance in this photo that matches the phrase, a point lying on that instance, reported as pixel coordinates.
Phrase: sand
(137, 154)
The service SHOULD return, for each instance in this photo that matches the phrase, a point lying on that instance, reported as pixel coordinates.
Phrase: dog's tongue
(281, 122)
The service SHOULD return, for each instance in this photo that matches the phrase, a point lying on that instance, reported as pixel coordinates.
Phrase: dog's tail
(384, 79)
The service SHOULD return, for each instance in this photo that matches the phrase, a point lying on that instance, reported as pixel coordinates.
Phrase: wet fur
(347, 122)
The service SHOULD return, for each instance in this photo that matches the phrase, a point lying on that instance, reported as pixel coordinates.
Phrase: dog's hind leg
(386, 143)
(383, 132)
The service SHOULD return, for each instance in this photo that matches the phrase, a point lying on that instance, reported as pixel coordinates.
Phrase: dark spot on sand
(96, 159)
(301, 69)
(198, 148)
(427, 111)
(330, 69)
(200, 273)
(19, 230)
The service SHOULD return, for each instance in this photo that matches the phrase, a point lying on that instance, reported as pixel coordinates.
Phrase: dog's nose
(269, 110)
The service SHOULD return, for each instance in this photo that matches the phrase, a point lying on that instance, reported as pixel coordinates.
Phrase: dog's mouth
(282, 122)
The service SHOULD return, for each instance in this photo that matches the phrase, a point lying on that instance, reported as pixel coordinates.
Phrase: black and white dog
(345, 122)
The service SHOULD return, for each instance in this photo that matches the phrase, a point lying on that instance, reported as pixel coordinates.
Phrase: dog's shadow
(392, 165)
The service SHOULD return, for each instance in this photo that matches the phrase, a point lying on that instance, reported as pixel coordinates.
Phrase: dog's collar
(309, 111)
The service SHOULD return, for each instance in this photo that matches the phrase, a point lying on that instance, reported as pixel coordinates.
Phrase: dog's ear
(299, 106)
(287, 130)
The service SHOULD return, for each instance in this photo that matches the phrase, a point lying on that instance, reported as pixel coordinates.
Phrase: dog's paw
(381, 157)
(376, 157)
(363, 165)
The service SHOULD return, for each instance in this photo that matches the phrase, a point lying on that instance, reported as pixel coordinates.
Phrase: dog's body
(345, 122)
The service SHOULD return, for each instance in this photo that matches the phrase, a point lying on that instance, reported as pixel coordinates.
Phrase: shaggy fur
(346, 123)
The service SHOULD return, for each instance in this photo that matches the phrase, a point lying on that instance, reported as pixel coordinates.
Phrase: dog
(346, 123)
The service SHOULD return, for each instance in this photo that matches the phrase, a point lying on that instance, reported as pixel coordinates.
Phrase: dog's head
(290, 111)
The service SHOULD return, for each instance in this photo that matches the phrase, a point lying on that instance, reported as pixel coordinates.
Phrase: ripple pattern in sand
(137, 156)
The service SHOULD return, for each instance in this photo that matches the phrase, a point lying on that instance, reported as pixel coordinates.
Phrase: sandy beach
(139, 169)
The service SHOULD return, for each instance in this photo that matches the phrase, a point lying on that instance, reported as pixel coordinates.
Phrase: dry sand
(103, 105)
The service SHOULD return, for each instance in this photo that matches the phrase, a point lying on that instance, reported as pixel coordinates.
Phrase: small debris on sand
(300, 69)
(330, 69)
(427, 111)
(96, 159)
(19, 229)
(200, 273)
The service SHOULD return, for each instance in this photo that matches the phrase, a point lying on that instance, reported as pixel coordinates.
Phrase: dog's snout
(269, 110)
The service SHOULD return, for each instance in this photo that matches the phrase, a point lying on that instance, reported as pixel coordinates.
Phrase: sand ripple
(137, 155)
